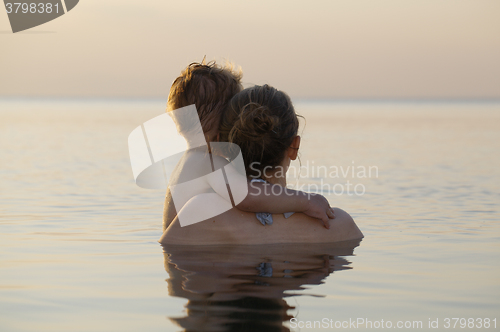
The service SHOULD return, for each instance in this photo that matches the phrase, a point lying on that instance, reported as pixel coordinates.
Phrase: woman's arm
(265, 197)
(273, 198)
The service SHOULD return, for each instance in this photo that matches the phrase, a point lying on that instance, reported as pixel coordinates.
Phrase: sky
(352, 49)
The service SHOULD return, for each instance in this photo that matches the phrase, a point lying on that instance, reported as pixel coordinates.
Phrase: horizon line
(298, 99)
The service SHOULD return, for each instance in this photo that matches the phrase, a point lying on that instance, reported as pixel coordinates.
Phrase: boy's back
(210, 87)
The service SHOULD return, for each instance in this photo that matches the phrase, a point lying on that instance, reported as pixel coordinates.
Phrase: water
(78, 248)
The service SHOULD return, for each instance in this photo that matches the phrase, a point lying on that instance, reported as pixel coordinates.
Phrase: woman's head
(262, 121)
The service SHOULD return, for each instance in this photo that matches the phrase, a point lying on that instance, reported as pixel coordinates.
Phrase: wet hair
(207, 85)
(261, 120)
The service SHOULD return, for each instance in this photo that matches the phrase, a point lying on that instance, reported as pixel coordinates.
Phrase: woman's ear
(293, 150)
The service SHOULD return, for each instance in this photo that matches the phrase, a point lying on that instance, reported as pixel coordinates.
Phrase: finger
(326, 224)
(330, 213)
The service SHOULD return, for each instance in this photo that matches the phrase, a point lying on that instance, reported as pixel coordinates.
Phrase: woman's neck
(281, 180)
(279, 174)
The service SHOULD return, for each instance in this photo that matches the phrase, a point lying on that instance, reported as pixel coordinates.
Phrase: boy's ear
(293, 150)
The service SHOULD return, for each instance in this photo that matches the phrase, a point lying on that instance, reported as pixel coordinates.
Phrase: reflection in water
(242, 288)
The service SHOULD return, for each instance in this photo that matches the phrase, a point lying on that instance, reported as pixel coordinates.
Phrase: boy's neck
(194, 143)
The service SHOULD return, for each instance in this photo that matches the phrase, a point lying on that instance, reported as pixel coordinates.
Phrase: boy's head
(210, 87)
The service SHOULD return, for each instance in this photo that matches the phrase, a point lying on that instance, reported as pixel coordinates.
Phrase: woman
(262, 122)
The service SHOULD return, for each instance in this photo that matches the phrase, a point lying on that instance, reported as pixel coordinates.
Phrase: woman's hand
(319, 208)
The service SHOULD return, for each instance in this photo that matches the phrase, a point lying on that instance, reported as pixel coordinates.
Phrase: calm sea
(78, 248)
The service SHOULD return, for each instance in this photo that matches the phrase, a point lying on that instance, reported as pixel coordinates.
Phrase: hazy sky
(328, 49)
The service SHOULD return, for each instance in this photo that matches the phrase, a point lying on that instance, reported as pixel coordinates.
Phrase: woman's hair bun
(255, 122)
(262, 122)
